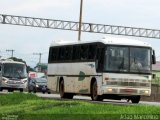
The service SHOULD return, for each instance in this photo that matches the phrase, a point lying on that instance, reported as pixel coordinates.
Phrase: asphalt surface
(105, 101)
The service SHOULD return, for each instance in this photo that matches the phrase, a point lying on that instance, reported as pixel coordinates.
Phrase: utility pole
(11, 50)
(80, 21)
(40, 55)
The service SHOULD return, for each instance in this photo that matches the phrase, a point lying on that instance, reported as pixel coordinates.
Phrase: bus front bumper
(126, 91)
(18, 86)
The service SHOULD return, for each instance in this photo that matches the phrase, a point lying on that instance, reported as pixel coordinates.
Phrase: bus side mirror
(153, 58)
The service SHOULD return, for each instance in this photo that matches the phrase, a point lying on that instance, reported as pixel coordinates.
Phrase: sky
(28, 40)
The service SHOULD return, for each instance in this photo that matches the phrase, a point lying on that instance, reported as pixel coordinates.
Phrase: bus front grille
(128, 84)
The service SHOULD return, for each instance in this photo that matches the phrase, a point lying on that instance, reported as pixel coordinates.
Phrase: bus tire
(61, 89)
(69, 96)
(135, 99)
(10, 90)
(21, 90)
(94, 95)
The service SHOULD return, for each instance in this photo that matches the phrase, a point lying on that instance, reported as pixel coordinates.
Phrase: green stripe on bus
(81, 76)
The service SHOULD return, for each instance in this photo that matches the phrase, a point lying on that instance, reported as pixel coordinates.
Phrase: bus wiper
(7, 76)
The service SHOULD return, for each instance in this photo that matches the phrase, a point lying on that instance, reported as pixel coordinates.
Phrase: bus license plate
(128, 90)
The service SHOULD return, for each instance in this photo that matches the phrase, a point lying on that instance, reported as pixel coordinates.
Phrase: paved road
(106, 101)
(86, 98)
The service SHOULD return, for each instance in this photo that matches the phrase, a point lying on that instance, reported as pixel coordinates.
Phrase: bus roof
(10, 61)
(107, 40)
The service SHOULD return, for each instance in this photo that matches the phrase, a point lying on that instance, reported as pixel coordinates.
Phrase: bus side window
(76, 53)
(92, 52)
(53, 52)
(84, 52)
(100, 59)
(61, 54)
(68, 53)
(50, 55)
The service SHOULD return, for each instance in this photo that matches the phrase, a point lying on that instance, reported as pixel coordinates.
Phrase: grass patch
(28, 106)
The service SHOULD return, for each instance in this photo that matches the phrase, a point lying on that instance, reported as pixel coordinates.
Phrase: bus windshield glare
(127, 59)
(12, 70)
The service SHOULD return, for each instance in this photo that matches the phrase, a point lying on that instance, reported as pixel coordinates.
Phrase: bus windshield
(127, 59)
(13, 70)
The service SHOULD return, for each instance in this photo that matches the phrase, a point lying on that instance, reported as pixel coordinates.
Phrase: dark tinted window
(53, 54)
(68, 53)
(71, 53)
(76, 52)
(61, 53)
(84, 52)
(92, 52)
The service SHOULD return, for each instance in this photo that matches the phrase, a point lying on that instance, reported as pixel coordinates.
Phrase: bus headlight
(109, 89)
(5, 80)
(24, 81)
(37, 85)
(146, 92)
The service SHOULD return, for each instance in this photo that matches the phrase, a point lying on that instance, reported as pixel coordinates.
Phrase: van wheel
(135, 99)
(94, 95)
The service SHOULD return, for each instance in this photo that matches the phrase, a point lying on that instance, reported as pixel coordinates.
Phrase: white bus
(13, 75)
(111, 68)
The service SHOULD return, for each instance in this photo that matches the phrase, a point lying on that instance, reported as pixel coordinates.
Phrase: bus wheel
(61, 89)
(69, 96)
(21, 90)
(135, 99)
(10, 90)
(94, 94)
